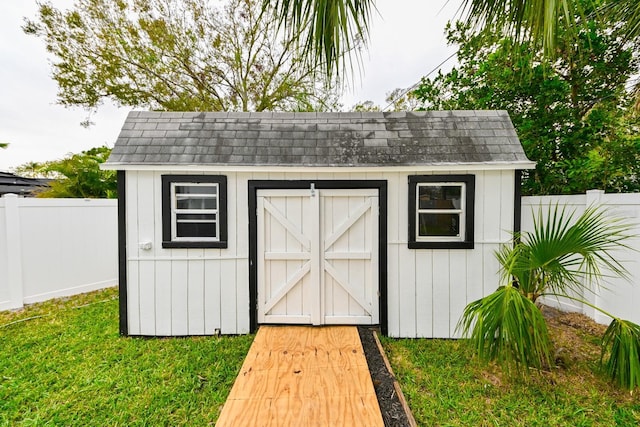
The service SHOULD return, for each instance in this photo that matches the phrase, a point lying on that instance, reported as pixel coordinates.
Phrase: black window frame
(467, 242)
(167, 240)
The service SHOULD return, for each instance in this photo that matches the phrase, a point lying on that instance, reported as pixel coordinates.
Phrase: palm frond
(509, 329)
(565, 255)
(330, 29)
(534, 20)
(626, 12)
(621, 341)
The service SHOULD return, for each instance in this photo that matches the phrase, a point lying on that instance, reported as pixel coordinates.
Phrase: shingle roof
(11, 183)
(317, 139)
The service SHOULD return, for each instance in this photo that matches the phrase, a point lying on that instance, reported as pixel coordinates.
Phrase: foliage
(561, 254)
(544, 23)
(398, 99)
(561, 257)
(4, 144)
(178, 55)
(63, 363)
(365, 106)
(76, 176)
(329, 28)
(621, 341)
(507, 327)
(573, 116)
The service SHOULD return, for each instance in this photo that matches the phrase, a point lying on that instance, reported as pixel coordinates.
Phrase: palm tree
(538, 20)
(560, 258)
(332, 27)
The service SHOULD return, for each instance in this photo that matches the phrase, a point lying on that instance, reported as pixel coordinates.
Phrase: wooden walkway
(303, 376)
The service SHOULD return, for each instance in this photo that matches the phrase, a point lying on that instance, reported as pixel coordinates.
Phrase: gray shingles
(322, 139)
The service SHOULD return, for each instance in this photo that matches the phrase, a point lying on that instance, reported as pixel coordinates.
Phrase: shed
(232, 220)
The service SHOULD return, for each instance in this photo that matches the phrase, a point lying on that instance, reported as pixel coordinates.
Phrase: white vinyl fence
(617, 296)
(55, 247)
(58, 247)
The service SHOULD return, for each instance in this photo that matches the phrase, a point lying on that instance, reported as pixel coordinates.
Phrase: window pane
(438, 225)
(197, 203)
(196, 229)
(439, 196)
(196, 189)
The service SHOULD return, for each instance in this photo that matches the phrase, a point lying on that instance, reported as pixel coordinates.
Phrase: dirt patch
(393, 412)
(575, 336)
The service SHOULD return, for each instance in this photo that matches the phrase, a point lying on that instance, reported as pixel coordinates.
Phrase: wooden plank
(299, 375)
(441, 292)
(458, 289)
(294, 296)
(133, 298)
(195, 292)
(396, 385)
(228, 297)
(424, 294)
(179, 298)
(506, 204)
(492, 195)
(212, 297)
(163, 297)
(146, 275)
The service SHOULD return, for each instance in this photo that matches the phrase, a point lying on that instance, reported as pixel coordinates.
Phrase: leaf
(507, 328)
(621, 341)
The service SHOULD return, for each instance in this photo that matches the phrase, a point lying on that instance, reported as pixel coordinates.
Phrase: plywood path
(303, 376)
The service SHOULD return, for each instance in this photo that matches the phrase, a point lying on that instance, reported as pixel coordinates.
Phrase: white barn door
(318, 256)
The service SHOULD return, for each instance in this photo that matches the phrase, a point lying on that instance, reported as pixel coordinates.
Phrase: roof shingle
(317, 139)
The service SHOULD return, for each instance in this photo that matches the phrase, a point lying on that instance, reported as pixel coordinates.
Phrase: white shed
(232, 220)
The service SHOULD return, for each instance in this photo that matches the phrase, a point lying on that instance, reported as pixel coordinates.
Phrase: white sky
(407, 42)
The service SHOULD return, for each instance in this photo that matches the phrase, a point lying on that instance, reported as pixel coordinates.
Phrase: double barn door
(318, 256)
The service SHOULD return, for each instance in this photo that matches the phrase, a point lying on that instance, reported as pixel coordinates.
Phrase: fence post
(594, 198)
(14, 251)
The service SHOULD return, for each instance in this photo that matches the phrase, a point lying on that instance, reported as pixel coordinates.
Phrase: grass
(67, 365)
(446, 386)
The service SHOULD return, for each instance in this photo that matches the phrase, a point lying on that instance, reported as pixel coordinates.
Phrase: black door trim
(255, 185)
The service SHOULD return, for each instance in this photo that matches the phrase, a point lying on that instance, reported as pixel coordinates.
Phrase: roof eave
(166, 167)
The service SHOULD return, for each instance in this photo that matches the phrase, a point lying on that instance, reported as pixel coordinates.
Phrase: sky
(407, 41)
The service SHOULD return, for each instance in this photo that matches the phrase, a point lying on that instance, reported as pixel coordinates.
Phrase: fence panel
(618, 296)
(55, 247)
(58, 247)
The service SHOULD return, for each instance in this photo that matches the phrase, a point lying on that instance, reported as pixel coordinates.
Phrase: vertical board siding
(458, 288)
(179, 297)
(395, 237)
(206, 291)
(424, 293)
(428, 289)
(241, 229)
(163, 298)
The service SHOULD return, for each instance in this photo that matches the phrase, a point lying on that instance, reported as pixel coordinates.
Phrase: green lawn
(70, 367)
(445, 386)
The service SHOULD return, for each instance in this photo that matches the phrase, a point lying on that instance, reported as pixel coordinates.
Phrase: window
(194, 213)
(441, 211)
